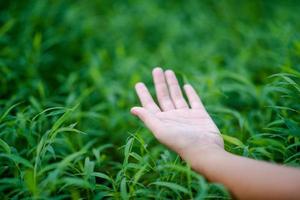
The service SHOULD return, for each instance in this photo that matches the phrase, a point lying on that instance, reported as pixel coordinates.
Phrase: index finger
(146, 98)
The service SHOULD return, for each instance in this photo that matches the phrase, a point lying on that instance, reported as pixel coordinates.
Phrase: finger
(150, 120)
(145, 98)
(162, 91)
(193, 97)
(175, 90)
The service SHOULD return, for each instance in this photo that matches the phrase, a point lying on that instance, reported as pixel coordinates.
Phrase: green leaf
(293, 127)
(7, 26)
(30, 181)
(75, 182)
(173, 186)
(123, 189)
(101, 175)
(8, 110)
(17, 159)
(233, 141)
(5, 146)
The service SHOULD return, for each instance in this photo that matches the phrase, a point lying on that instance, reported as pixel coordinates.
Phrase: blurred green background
(67, 73)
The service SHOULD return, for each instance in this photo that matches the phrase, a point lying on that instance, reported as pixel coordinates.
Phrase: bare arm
(250, 179)
(188, 130)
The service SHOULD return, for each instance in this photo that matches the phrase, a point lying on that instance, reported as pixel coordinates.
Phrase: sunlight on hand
(183, 129)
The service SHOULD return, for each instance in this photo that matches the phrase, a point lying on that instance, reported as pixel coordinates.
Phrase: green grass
(67, 72)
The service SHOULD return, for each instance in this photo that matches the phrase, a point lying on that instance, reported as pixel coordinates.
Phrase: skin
(187, 129)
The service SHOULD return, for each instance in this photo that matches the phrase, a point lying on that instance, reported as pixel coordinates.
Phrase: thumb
(146, 116)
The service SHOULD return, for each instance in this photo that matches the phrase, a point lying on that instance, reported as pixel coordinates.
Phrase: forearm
(250, 179)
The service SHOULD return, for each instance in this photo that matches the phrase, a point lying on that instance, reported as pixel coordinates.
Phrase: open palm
(185, 130)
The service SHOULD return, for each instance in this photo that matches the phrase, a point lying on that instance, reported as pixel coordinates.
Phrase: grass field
(67, 72)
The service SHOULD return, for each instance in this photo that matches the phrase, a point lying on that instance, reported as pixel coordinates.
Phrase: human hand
(187, 131)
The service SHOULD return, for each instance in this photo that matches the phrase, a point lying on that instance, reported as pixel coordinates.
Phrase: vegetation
(67, 72)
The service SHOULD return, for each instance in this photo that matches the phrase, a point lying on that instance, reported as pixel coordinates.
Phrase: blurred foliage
(67, 71)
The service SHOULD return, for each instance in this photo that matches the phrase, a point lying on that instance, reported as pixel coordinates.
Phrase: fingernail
(132, 110)
(169, 71)
(139, 84)
(158, 69)
(135, 110)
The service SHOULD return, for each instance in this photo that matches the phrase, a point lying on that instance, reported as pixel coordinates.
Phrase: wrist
(202, 158)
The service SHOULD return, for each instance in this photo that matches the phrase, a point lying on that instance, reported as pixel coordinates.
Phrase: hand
(187, 131)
